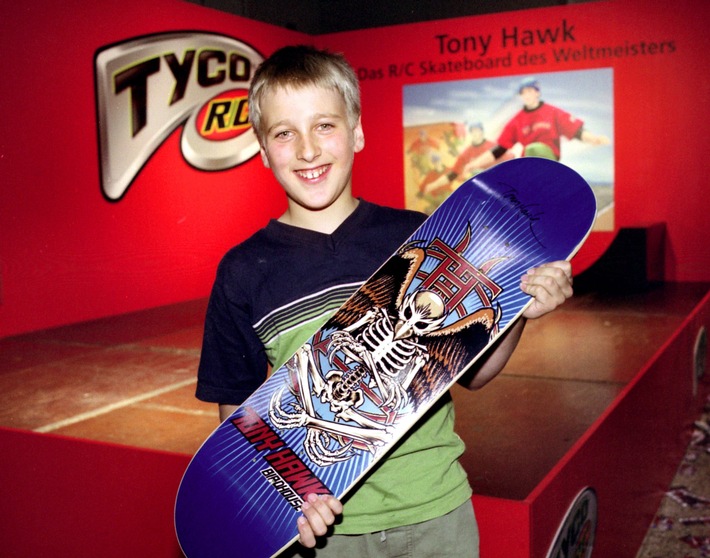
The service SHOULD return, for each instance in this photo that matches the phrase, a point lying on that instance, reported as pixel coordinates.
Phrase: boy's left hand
(550, 284)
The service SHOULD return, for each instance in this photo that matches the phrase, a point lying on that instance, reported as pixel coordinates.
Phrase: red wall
(80, 498)
(67, 254)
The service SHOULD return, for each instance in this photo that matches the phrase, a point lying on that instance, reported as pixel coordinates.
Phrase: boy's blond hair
(302, 66)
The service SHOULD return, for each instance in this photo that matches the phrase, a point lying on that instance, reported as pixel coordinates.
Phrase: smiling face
(309, 144)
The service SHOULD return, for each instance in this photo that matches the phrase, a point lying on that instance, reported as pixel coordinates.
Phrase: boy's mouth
(312, 174)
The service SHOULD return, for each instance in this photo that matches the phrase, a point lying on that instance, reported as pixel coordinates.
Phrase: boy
(276, 288)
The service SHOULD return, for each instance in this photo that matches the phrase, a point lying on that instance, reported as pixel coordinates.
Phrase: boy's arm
(550, 285)
(225, 411)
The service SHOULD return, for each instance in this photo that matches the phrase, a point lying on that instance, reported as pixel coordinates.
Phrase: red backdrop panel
(67, 254)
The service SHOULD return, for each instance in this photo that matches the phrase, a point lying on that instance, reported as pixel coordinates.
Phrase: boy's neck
(324, 221)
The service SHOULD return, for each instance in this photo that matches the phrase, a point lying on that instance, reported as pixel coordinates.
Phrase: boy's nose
(308, 148)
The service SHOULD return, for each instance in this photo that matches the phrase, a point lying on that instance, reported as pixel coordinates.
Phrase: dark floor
(130, 380)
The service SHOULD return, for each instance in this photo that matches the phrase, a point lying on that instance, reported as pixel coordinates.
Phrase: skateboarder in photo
(538, 127)
(443, 182)
(275, 289)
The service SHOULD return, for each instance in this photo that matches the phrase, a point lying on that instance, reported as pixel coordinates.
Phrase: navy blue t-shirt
(284, 280)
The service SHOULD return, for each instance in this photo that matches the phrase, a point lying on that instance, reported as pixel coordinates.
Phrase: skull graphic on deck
(421, 312)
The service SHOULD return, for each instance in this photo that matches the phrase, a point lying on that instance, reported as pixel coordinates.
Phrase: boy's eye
(325, 126)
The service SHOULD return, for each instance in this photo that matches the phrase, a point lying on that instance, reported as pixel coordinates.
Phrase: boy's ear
(359, 136)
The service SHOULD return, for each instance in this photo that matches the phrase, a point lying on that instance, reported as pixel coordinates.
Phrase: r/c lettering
(213, 67)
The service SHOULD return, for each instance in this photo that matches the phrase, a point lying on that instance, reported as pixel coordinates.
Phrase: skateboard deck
(323, 419)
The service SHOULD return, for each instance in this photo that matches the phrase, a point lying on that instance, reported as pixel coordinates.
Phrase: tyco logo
(148, 87)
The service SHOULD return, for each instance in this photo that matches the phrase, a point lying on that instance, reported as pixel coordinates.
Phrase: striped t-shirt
(271, 293)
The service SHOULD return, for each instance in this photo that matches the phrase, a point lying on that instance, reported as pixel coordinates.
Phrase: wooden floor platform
(130, 380)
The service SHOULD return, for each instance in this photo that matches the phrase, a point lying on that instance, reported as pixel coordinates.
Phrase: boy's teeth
(314, 173)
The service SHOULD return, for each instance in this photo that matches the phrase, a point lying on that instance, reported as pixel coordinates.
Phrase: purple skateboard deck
(321, 421)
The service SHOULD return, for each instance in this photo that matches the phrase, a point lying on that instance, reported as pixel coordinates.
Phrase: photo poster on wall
(449, 125)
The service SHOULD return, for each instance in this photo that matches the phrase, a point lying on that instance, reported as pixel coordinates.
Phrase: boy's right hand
(319, 513)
